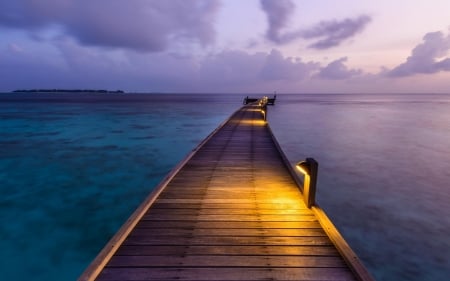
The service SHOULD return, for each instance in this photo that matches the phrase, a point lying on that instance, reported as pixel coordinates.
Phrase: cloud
(23, 69)
(427, 57)
(277, 67)
(234, 70)
(14, 48)
(140, 25)
(335, 32)
(337, 70)
(231, 66)
(278, 13)
(66, 64)
(330, 33)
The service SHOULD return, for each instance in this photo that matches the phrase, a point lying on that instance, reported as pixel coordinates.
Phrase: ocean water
(384, 174)
(74, 167)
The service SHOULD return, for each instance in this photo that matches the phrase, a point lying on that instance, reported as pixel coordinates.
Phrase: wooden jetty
(232, 210)
(269, 101)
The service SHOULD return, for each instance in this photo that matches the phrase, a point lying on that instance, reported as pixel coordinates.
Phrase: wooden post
(264, 108)
(309, 167)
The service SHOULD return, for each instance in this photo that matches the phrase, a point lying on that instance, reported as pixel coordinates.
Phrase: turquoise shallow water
(74, 167)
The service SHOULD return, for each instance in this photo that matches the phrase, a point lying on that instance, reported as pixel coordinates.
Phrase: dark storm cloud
(337, 70)
(328, 33)
(427, 57)
(334, 32)
(139, 24)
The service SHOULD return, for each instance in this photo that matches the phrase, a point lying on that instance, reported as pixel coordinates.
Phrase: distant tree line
(67, 91)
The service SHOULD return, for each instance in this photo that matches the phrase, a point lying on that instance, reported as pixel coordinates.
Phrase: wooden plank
(195, 231)
(228, 211)
(234, 190)
(266, 200)
(134, 239)
(234, 224)
(232, 206)
(229, 250)
(232, 273)
(243, 218)
(225, 261)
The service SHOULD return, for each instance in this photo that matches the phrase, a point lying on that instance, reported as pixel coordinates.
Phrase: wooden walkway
(230, 211)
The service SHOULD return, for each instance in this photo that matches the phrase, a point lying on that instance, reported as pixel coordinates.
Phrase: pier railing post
(264, 111)
(263, 107)
(309, 168)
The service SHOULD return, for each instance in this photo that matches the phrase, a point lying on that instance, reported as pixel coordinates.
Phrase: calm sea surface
(74, 167)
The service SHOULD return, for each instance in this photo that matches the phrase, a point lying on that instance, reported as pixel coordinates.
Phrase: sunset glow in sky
(294, 46)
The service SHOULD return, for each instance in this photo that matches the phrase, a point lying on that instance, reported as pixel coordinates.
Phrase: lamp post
(264, 111)
(263, 107)
(309, 168)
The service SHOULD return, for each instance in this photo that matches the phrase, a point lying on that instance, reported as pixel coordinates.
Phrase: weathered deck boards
(232, 212)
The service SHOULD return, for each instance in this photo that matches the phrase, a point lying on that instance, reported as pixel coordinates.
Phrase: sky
(226, 46)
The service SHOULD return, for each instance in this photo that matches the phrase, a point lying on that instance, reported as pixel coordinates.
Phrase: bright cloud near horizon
(226, 46)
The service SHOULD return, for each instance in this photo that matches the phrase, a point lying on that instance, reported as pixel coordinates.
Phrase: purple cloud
(335, 32)
(139, 24)
(278, 13)
(231, 67)
(330, 33)
(238, 69)
(23, 69)
(337, 70)
(277, 67)
(425, 57)
(70, 65)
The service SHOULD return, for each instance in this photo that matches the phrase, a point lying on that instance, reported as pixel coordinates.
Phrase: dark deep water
(74, 167)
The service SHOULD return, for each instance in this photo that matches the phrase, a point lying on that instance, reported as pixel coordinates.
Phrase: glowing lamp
(263, 108)
(309, 169)
(264, 113)
(303, 167)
